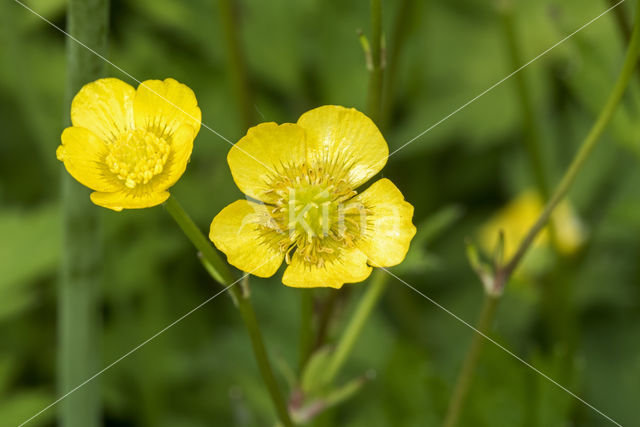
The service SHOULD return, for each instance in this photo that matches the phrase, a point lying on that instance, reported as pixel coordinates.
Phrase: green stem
(400, 31)
(325, 318)
(249, 317)
(375, 289)
(220, 272)
(306, 326)
(622, 22)
(503, 274)
(532, 138)
(79, 291)
(621, 19)
(585, 150)
(378, 283)
(375, 73)
(237, 63)
(471, 361)
(219, 269)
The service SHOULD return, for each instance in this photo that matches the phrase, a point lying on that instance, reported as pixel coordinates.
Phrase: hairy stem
(79, 324)
(220, 272)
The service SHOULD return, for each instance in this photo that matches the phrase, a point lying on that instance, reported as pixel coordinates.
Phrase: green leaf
(18, 407)
(313, 375)
(31, 251)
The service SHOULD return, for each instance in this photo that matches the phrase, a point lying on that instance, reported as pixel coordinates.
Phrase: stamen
(136, 156)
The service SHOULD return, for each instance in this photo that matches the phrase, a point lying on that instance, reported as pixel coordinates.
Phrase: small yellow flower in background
(129, 145)
(520, 214)
(303, 177)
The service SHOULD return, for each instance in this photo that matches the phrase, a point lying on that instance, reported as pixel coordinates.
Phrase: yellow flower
(129, 145)
(520, 214)
(300, 180)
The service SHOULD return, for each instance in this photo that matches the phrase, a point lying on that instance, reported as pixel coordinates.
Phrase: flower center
(311, 210)
(315, 210)
(137, 156)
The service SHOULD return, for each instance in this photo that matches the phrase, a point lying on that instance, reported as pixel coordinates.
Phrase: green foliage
(577, 321)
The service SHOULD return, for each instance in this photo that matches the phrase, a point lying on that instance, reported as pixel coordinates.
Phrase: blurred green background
(576, 317)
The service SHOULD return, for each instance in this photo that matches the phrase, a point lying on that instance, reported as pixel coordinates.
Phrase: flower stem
(220, 272)
(375, 73)
(326, 316)
(504, 273)
(374, 291)
(585, 150)
(532, 138)
(306, 326)
(249, 317)
(79, 325)
(237, 63)
(400, 31)
(471, 361)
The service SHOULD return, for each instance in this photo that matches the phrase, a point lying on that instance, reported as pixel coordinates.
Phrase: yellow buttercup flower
(129, 145)
(300, 180)
(521, 213)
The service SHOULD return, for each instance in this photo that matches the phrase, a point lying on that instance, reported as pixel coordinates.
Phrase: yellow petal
(238, 231)
(181, 143)
(570, 231)
(349, 265)
(515, 219)
(129, 199)
(164, 106)
(105, 107)
(83, 155)
(389, 227)
(260, 155)
(345, 136)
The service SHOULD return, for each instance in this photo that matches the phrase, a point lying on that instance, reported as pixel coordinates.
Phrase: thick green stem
(375, 73)
(585, 150)
(375, 289)
(79, 291)
(471, 361)
(220, 272)
(237, 63)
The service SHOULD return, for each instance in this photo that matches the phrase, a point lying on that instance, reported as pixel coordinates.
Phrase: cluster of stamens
(137, 156)
(314, 211)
